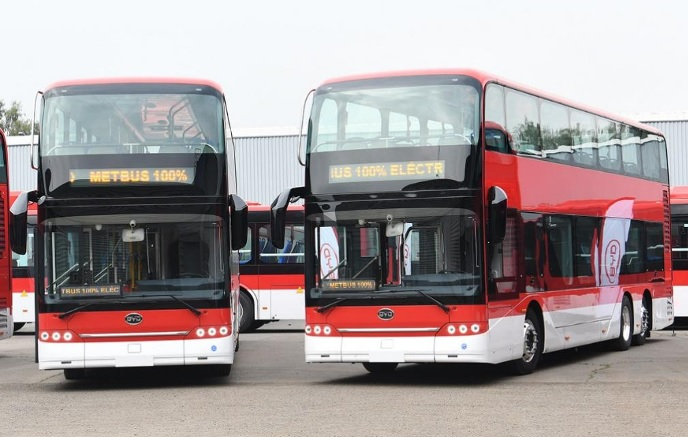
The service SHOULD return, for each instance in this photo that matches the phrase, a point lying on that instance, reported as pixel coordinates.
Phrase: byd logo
(385, 314)
(133, 318)
(612, 260)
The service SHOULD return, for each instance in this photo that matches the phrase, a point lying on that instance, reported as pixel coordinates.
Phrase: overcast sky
(624, 56)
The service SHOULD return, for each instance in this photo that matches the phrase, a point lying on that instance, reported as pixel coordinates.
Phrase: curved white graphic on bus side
(329, 252)
(607, 256)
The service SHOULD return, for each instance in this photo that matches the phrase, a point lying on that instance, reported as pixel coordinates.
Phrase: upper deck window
(122, 121)
(395, 112)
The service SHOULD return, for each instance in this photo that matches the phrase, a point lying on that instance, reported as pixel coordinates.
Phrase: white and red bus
(137, 226)
(453, 216)
(6, 319)
(271, 278)
(679, 251)
(23, 297)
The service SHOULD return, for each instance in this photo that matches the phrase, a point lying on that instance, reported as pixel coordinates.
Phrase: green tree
(13, 121)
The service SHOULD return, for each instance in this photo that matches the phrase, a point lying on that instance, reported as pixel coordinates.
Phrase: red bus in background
(137, 221)
(271, 278)
(6, 318)
(454, 216)
(23, 287)
(679, 251)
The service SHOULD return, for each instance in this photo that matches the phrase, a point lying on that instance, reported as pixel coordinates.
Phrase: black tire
(74, 374)
(17, 326)
(623, 341)
(640, 338)
(533, 343)
(247, 323)
(380, 368)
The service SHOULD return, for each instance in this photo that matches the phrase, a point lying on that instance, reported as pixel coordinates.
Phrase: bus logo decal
(133, 318)
(612, 256)
(385, 314)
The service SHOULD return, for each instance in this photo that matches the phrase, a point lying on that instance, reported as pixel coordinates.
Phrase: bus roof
(135, 80)
(679, 195)
(484, 78)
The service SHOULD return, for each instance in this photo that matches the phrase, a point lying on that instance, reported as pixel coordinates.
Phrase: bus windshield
(116, 257)
(395, 112)
(406, 249)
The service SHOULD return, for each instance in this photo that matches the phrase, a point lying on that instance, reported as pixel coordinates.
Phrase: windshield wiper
(191, 308)
(74, 310)
(320, 309)
(444, 307)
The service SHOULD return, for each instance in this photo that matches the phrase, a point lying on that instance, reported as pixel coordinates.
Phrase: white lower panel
(23, 307)
(421, 349)
(680, 301)
(135, 353)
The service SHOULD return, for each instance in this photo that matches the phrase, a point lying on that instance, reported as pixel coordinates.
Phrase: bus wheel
(18, 326)
(623, 341)
(247, 322)
(74, 374)
(380, 368)
(641, 338)
(532, 346)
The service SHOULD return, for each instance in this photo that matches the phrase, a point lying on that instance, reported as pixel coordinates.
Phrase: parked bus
(23, 296)
(6, 320)
(271, 278)
(452, 216)
(138, 226)
(679, 251)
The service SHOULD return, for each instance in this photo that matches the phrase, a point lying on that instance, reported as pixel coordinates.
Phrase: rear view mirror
(133, 235)
(394, 229)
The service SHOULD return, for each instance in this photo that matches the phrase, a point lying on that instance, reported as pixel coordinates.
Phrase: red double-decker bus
(679, 250)
(453, 216)
(136, 221)
(23, 297)
(271, 278)
(6, 322)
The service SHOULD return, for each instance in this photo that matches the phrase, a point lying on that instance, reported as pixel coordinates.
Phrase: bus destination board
(386, 171)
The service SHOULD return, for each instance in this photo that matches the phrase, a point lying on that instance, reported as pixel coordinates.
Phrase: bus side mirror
(496, 215)
(278, 214)
(239, 220)
(18, 222)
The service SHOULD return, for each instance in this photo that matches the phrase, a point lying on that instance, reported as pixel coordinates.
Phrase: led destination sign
(387, 171)
(349, 284)
(148, 175)
(75, 291)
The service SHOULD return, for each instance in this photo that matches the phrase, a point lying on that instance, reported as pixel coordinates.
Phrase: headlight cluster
(58, 336)
(210, 332)
(319, 330)
(464, 328)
